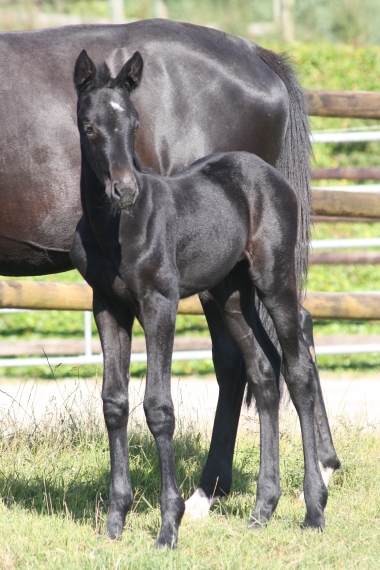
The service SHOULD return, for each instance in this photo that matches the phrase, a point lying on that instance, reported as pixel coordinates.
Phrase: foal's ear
(130, 75)
(84, 71)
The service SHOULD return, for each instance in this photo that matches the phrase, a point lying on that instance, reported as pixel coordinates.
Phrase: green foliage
(348, 363)
(328, 66)
(355, 22)
(133, 9)
(231, 16)
(97, 8)
(348, 21)
(342, 67)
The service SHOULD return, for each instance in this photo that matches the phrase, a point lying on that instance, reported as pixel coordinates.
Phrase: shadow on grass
(71, 478)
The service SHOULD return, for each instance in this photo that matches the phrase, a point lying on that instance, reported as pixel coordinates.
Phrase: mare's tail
(294, 160)
(294, 165)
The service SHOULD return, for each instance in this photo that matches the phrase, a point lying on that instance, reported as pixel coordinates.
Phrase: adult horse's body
(220, 95)
(202, 92)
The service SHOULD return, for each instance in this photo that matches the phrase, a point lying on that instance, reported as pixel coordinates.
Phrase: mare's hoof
(115, 527)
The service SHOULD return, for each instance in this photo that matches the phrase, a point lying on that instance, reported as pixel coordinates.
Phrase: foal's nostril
(116, 191)
(123, 193)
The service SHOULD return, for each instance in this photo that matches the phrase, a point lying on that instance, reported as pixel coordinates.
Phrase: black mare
(227, 225)
(203, 91)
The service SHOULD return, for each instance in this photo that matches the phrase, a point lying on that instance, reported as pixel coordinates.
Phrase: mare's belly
(33, 254)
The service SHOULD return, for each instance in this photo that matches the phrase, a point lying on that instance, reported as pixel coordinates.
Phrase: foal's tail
(296, 152)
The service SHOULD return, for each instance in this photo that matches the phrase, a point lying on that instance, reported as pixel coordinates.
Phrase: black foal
(227, 225)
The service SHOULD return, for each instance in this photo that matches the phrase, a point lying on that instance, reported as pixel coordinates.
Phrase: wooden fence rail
(78, 297)
(350, 258)
(347, 204)
(347, 173)
(352, 104)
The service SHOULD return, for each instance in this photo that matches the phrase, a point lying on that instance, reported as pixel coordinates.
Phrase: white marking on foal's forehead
(116, 106)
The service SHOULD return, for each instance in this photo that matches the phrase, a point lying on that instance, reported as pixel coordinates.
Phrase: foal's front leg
(158, 314)
(116, 346)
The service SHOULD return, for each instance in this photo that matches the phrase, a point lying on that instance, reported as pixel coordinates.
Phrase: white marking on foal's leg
(116, 106)
(326, 473)
(198, 505)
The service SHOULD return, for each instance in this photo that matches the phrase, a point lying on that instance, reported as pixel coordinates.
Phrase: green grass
(54, 477)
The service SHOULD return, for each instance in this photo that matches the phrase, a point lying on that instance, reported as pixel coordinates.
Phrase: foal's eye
(88, 130)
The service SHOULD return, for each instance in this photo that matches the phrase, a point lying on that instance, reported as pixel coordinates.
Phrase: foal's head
(107, 122)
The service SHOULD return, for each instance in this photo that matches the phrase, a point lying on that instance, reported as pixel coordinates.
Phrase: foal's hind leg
(234, 295)
(116, 346)
(327, 456)
(231, 377)
(278, 292)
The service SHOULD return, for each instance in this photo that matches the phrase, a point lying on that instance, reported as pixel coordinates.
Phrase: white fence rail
(345, 137)
(357, 188)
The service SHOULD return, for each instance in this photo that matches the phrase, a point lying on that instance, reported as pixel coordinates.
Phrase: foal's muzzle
(124, 192)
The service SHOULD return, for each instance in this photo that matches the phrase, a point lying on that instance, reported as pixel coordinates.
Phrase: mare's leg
(278, 292)
(230, 373)
(158, 316)
(327, 456)
(115, 337)
(235, 297)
